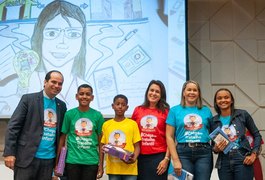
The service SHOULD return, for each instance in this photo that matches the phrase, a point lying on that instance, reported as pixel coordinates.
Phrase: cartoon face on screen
(192, 122)
(50, 118)
(59, 37)
(83, 127)
(61, 42)
(117, 138)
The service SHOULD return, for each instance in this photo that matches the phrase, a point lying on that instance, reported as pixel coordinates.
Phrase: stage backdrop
(116, 46)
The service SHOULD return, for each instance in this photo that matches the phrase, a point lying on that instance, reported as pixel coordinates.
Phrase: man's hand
(10, 161)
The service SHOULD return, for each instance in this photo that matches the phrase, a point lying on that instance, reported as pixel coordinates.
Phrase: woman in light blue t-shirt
(187, 126)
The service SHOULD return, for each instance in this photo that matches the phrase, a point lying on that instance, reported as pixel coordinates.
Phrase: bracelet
(167, 158)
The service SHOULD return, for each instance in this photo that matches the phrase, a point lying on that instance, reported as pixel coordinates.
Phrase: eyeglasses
(69, 32)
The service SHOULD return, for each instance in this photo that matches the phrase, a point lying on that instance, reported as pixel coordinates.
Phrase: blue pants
(232, 167)
(197, 160)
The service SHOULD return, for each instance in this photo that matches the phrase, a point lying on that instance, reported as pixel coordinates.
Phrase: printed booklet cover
(117, 152)
(185, 175)
(218, 135)
(61, 162)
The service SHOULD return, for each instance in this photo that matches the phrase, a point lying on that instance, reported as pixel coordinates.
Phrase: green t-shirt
(82, 130)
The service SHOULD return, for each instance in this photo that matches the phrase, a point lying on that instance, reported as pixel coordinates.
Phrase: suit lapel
(58, 112)
(41, 109)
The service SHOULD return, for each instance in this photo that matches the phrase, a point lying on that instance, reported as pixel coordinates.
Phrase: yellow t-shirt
(123, 134)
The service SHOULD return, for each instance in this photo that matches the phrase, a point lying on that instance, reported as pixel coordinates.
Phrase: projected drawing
(177, 22)
(24, 64)
(116, 46)
(105, 86)
(133, 60)
(127, 37)
(58, 42)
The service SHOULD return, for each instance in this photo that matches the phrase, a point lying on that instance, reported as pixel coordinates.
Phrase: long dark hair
(162, 103)
(232, 106)
(66, 10)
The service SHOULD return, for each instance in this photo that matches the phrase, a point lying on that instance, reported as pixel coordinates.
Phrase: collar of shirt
(45, 95)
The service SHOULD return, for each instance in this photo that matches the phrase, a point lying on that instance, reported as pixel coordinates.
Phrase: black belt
(195, 144)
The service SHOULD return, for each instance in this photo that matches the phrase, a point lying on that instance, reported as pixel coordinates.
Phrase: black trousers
(40, 169)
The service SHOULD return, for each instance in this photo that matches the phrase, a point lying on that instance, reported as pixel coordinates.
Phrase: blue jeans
(196, 160)
(122, 177)
(232, 167)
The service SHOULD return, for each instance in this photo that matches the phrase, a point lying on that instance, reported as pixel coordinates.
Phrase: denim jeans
(122, 177)
(232, 167)
(196, 160)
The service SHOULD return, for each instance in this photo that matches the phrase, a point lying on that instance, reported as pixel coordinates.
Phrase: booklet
(61, 162)
(218, 135)
(185, 175)
(117, 152)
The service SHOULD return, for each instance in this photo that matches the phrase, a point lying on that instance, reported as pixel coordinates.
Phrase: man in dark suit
(30, 144)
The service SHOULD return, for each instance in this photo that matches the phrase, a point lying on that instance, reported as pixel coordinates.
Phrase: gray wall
(227, 49)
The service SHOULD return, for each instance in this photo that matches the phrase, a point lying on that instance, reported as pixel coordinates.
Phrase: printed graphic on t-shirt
(192, 122)
(230, 131)
(117, 138)
(149, 123)
(250, 140)
(83, 127)
(148, 130)
(50, 118)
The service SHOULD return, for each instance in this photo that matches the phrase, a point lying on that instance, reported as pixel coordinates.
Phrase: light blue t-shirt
(191, 124)
(46, 149)
(229, 130)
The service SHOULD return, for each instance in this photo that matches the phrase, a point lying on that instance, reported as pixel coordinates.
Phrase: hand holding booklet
(185, 175)
(218, 135)
(117, 152)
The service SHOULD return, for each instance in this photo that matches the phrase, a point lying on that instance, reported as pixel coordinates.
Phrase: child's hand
(103, 148)
(55, 171)
(131, 160)
(100, 172)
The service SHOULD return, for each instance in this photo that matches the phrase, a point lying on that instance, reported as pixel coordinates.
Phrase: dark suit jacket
(25, 128)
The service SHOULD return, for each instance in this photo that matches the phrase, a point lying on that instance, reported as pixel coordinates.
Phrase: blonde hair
(198, 101)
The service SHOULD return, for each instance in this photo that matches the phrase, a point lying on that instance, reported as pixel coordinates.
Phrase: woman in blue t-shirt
(237, 163)
(188, 124)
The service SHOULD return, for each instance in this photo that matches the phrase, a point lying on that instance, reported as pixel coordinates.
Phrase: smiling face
(84, 97)
(191, 94)
(53, 86)
(61, 42)
(120, 106)
(154, 94)
(223, 100)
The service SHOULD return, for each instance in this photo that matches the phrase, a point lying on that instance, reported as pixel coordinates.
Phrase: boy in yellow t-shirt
(121, 132)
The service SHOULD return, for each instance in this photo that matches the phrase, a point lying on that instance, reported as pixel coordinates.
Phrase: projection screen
(116, 46)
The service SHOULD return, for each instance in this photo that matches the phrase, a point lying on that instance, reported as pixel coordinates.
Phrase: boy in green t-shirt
(83, 127)
(123, 133)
